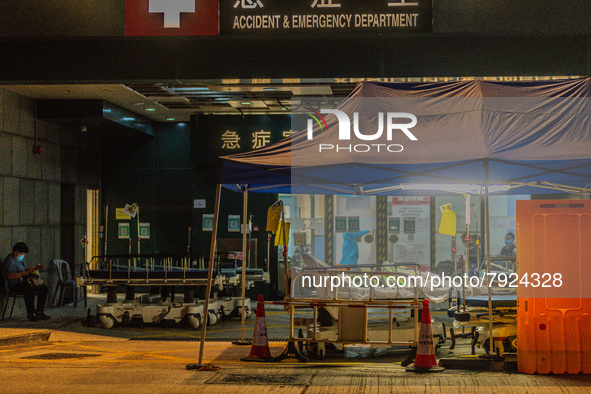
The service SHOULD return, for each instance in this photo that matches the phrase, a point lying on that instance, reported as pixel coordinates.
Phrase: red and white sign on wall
(171, 18)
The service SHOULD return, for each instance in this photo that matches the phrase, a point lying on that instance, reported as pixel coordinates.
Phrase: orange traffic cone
(425, 360)
(260, 342)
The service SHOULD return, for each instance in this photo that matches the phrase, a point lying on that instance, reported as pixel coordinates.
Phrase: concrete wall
(30, 184)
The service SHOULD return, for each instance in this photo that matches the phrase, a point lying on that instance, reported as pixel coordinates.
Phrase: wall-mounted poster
(234, 223)
(353, 223)
(340, 224)
(123, 231)
(393, 225)
(207, 222)
(144, 231)
(413, 243)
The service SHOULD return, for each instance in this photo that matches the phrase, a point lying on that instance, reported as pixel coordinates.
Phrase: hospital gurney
(504, 319)
(352, 314)
(165, 271)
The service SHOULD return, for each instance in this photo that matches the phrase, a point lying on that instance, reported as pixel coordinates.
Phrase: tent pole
(212, 251)
(490, 324)
(466, 265)
(286, 268)
(244, 255)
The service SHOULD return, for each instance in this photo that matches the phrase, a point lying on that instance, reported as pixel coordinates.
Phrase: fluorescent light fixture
(127, 119)
(151, 109)
(455, 188)
(170, 119)
(245, 103)
(269, 89)
(188, 89)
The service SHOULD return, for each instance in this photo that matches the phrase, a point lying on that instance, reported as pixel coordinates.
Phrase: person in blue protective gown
(350, 248)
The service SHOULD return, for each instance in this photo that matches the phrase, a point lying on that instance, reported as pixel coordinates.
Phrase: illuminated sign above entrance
(247, 17)
(171, 17)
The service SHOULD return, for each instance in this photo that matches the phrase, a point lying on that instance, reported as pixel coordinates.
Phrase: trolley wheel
(126, 319)
(107, 322)
(499, 348)
(212, 318)
(194, 321)
(513, 341)
(248, 312)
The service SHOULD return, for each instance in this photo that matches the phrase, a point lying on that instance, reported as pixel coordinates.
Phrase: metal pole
(286, 268)
(244, 255)
(212, 250)
(268, 252)
(490, 324)
(477, 241)
(106, 227)
(189, 242)
(138, 232)
(467, 239)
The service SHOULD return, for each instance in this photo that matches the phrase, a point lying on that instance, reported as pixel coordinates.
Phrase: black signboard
(221, 135)
(246, 17)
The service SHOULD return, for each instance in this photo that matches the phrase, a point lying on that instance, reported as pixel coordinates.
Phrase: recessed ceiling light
(151, 109)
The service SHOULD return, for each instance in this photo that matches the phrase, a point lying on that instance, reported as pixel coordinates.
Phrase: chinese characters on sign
(248, 4)
(230, 140)
(325, 4)
(402, 3)
(260, 139)
(220, 135)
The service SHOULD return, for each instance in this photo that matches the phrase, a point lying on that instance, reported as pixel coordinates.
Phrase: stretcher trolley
(161, 272)
(476, 316)
(374, 316)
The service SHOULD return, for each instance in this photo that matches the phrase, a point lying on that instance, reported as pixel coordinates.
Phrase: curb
(42, 336)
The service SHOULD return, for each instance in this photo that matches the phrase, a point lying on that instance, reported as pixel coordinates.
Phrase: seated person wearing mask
(509, 248)
(17, 275)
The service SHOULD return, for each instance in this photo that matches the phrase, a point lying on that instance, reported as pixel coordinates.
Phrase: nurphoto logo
(390, 122)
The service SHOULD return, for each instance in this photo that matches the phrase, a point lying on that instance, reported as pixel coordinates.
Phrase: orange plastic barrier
(554, 293)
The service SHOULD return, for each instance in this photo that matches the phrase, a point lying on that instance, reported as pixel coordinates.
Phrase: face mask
(21, 257)
(507, 242)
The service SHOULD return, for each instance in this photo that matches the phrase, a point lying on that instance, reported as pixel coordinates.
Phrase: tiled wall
(30, 184)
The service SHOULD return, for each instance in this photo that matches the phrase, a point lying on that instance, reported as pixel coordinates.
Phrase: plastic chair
(65, 279)
(9, 293)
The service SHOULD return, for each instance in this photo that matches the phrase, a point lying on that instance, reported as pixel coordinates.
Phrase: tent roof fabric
(530, 137)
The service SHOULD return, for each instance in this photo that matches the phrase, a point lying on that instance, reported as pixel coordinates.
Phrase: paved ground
(137, 366)
(78, 358)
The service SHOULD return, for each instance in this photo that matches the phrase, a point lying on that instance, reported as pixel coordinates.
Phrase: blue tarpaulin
(521, 138)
